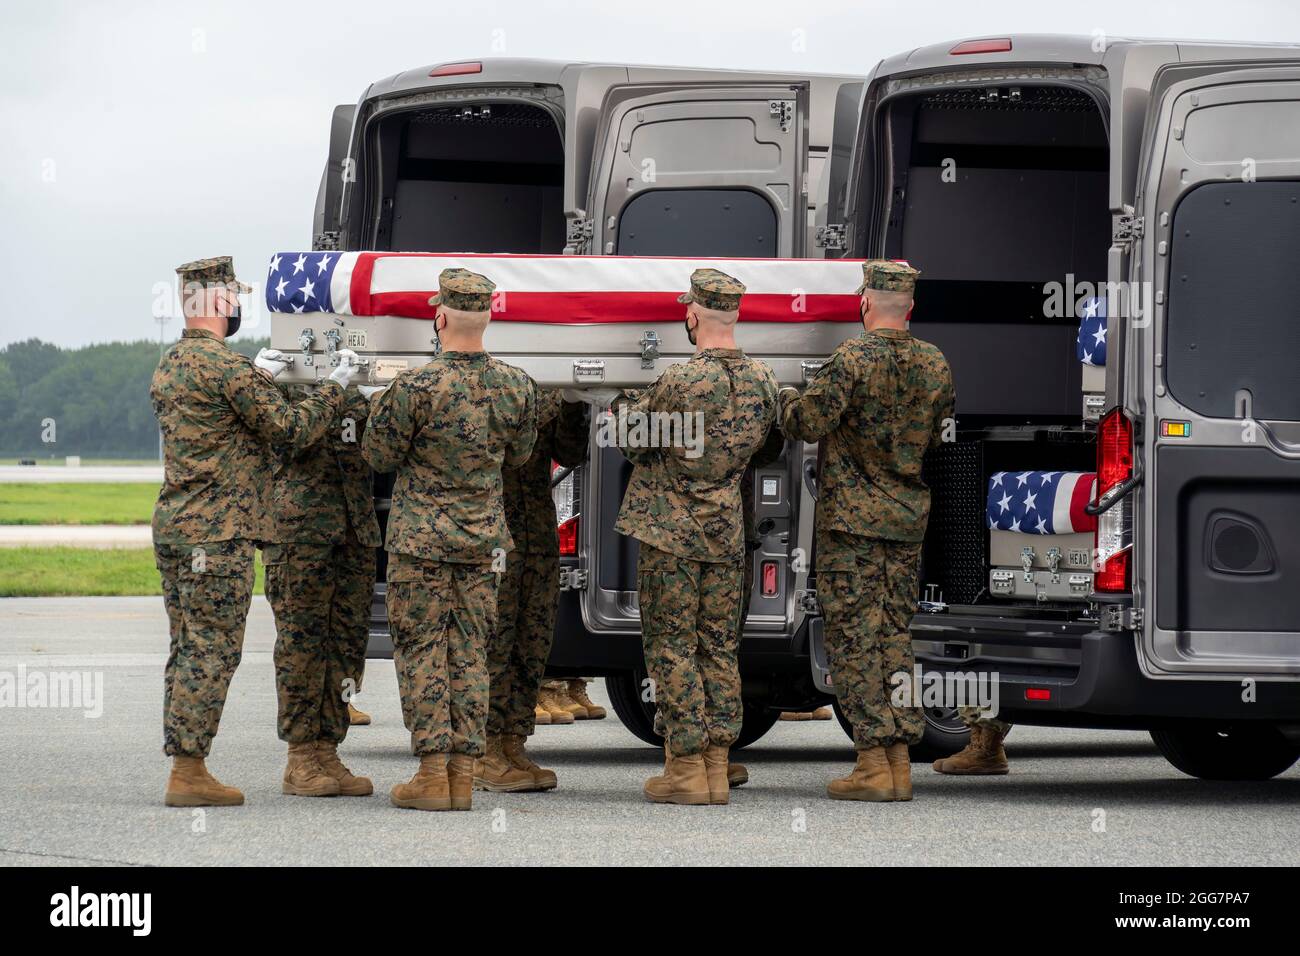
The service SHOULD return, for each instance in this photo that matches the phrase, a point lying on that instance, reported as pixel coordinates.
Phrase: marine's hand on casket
(349, 365)
(370, 391)
(271, 361)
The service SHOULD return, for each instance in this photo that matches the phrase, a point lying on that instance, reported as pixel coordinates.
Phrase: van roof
(1069, 48)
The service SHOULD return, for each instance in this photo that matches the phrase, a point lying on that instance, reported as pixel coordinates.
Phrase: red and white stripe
(595, 289)
(1074, 490)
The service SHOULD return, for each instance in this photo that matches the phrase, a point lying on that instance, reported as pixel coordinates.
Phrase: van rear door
(338, 170)
(694, 170)
(1217, 543)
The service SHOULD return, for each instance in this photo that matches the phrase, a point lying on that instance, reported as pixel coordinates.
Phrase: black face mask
(233, 320)
(690, 332)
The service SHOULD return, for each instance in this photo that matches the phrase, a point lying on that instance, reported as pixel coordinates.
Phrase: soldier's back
(462, 418)
(686, 498)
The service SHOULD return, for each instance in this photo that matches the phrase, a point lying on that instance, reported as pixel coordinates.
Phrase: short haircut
(716, 316)
(891, 304)
(461, 321)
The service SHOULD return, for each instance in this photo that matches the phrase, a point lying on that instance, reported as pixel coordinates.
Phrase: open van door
(1213, 396)
(337, 172)
(694, 170)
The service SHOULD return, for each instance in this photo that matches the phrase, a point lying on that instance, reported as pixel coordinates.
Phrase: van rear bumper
(1081, 676)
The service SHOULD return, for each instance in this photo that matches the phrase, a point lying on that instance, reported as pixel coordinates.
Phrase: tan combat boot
(495, 772)
(982, 756)
(350, 785)
(578, 694)
(540, 714)
(303, 776)
(737, 775)
(717, 771)
(560, 694)
(513, 746)
(357, 718)
(428, 789)
(870, 780)
(546, 699)
(900, 768)
(460, 778)
(821, 713)
(795, 715)
(685, 781)
(190, 785)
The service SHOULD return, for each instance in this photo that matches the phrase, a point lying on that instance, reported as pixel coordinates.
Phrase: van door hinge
(783, 110)
(573, 579)
(1117, 617)
(578, 235)
(807, 602)
(1128, 228)
(831, 236)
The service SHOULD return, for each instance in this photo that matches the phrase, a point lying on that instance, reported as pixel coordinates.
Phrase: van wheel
(1241, 752)
(638, 716)
(945, 734)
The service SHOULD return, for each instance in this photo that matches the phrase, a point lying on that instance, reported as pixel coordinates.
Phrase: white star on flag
(1005, 502)
(1023, 478)
(299, 263)
(1029, 501)
(322, 265)
(279, 288)
(275, 266)
(308, 290)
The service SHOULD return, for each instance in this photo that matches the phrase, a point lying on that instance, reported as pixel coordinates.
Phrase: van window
(698, 222)
(1232, 329)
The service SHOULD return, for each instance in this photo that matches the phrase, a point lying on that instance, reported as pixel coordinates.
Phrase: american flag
(1041, 502)
(1091, 342)
(560, 289)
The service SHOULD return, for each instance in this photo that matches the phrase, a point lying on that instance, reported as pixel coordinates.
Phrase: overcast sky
(139, 135)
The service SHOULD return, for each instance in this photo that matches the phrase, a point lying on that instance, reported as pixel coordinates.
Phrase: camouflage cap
(464, 290)
(714, 290)
(888, 275)
(216, 269)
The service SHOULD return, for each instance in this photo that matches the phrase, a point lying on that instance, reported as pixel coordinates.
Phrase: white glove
(370, 391)
(347, 368)
(597, 397)
(789, 393)
(271, 361)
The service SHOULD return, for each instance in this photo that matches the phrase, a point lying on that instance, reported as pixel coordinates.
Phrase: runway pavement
(61, 474)
(79, 789)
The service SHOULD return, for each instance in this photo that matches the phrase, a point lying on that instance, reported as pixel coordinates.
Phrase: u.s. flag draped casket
(566, 320)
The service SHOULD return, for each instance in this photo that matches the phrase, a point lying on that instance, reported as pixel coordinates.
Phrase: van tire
(945, 734)
(638, 716)
(1241, 752)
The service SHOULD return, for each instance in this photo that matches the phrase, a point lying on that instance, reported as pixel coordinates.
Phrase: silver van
(1107, 230)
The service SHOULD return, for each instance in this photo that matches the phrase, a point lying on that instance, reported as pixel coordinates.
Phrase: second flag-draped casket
(566, 320)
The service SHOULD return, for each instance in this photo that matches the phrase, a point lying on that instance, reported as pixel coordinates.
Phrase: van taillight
(998, 45)
(568, 532)
(1114, 527)
(456, 69)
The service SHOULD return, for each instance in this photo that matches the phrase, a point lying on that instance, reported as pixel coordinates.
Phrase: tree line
(91, 401)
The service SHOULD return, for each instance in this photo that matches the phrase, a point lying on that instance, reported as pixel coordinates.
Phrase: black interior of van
(995, 193)
(999, 196)
(483, 177)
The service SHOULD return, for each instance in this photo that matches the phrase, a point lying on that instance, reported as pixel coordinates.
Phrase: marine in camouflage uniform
(528, 597)
(685, 512)
(447, 429)
(320, 576)
(878, 404)
(220, 416)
